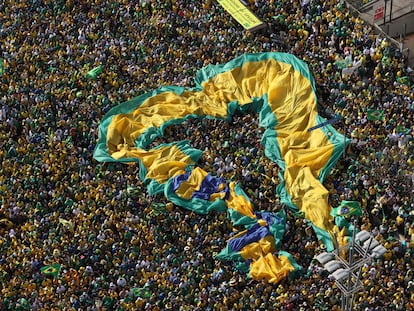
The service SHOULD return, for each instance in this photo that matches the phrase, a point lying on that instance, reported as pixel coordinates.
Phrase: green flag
(347, 208)
(403, 80)
(92, 74)
(133, 190)
(342, 63)
(51, 270)
(280, 18)
(158, 208)
(374, 114)
(1, 66)
(403, 130)
(142, 292)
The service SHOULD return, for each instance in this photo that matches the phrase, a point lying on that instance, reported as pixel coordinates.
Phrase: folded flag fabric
(202, 185)
(253, 249)
(210, 185)
(374, 114)
(347, 208)
(276, 223)
(253, 234)
(179, 179)
(260, 83)
(248, 244)
(274, 267)
(197, 191)
(92, 74)
(51, 270)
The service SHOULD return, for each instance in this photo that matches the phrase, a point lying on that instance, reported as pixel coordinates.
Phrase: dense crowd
(115, 248)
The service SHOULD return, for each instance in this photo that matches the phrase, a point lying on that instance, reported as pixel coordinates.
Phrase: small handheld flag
(347, 208)
(403, 130)
(374, 114)
(1, 66)
(142, 292)
(92, 74)
(51, 270)
(403, 80)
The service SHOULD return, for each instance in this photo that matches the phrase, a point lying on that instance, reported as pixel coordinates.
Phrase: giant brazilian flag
(280, 89)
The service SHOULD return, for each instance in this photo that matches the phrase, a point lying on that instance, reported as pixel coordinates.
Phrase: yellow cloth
(193, 183)
(271, 268)
(239, 203)
(258, 249)
(162, 163)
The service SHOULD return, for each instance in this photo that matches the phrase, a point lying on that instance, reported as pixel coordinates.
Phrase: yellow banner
(242, 14)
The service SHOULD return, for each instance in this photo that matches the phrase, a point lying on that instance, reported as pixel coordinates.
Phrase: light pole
(347, 272)
(344, 124)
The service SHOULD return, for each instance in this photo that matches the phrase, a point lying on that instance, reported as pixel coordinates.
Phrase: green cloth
(227, 254)
(278, 228)
(403, 80)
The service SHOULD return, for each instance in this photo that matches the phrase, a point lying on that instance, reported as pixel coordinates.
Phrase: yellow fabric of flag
(258, 249)
(193, 183)
(162, 163)
(293, 103)
(280, 89)
(239, 203)
(271, 268)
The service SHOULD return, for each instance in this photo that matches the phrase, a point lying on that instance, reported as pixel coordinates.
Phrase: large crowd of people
(116, 247)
